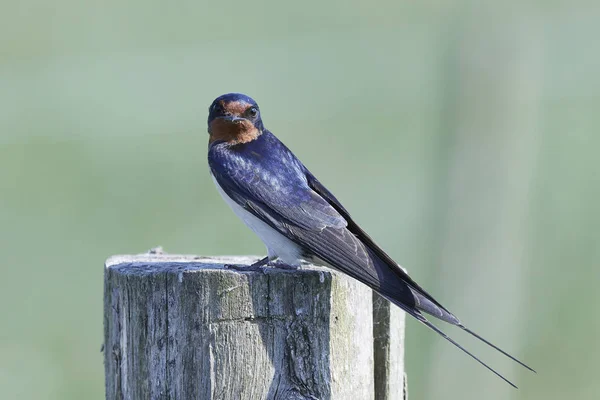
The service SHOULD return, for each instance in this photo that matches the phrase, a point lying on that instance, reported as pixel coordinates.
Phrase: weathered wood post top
(185, 327)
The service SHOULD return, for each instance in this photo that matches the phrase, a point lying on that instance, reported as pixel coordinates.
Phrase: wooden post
(183, 327)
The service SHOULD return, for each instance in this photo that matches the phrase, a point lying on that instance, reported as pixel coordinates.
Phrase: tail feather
(417, 315)
(470, 332)
(423, 303)
(448, 338)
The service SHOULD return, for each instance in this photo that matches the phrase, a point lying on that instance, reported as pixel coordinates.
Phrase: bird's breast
(277, 244)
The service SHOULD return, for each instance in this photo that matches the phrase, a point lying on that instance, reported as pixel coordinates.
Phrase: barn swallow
(297, 218)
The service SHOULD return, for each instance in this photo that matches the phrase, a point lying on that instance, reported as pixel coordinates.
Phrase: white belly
(278, 246)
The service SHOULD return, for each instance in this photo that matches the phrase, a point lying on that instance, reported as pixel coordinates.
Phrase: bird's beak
(232, 119)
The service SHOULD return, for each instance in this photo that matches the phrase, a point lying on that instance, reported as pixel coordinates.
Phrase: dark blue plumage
(297, 217)
(266, 173)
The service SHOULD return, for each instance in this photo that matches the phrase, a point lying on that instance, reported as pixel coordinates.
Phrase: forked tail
(470, 332)
(421, 318)
(424, 302)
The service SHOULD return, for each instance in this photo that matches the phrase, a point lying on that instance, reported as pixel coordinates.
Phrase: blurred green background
(463, 135)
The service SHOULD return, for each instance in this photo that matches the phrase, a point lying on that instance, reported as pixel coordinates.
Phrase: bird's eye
(252, 112)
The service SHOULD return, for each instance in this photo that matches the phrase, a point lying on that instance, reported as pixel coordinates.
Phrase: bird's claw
(261, 265)
(244, 268)
(282, 265)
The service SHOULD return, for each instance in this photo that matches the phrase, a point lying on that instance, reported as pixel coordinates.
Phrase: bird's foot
(262, 265)
(282, 265)
(257, 266)
(244, 267)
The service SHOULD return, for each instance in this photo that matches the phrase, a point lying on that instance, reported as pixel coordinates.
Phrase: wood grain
(184, 327)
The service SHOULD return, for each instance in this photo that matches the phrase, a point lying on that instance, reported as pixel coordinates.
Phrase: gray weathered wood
(388, 348)
(183, 327)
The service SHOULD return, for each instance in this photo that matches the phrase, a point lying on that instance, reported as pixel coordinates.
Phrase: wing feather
(285, 193)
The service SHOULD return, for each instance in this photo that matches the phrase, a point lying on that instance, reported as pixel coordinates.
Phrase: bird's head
(234, 118)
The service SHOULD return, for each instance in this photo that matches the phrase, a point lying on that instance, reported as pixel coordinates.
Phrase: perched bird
(297, 218)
